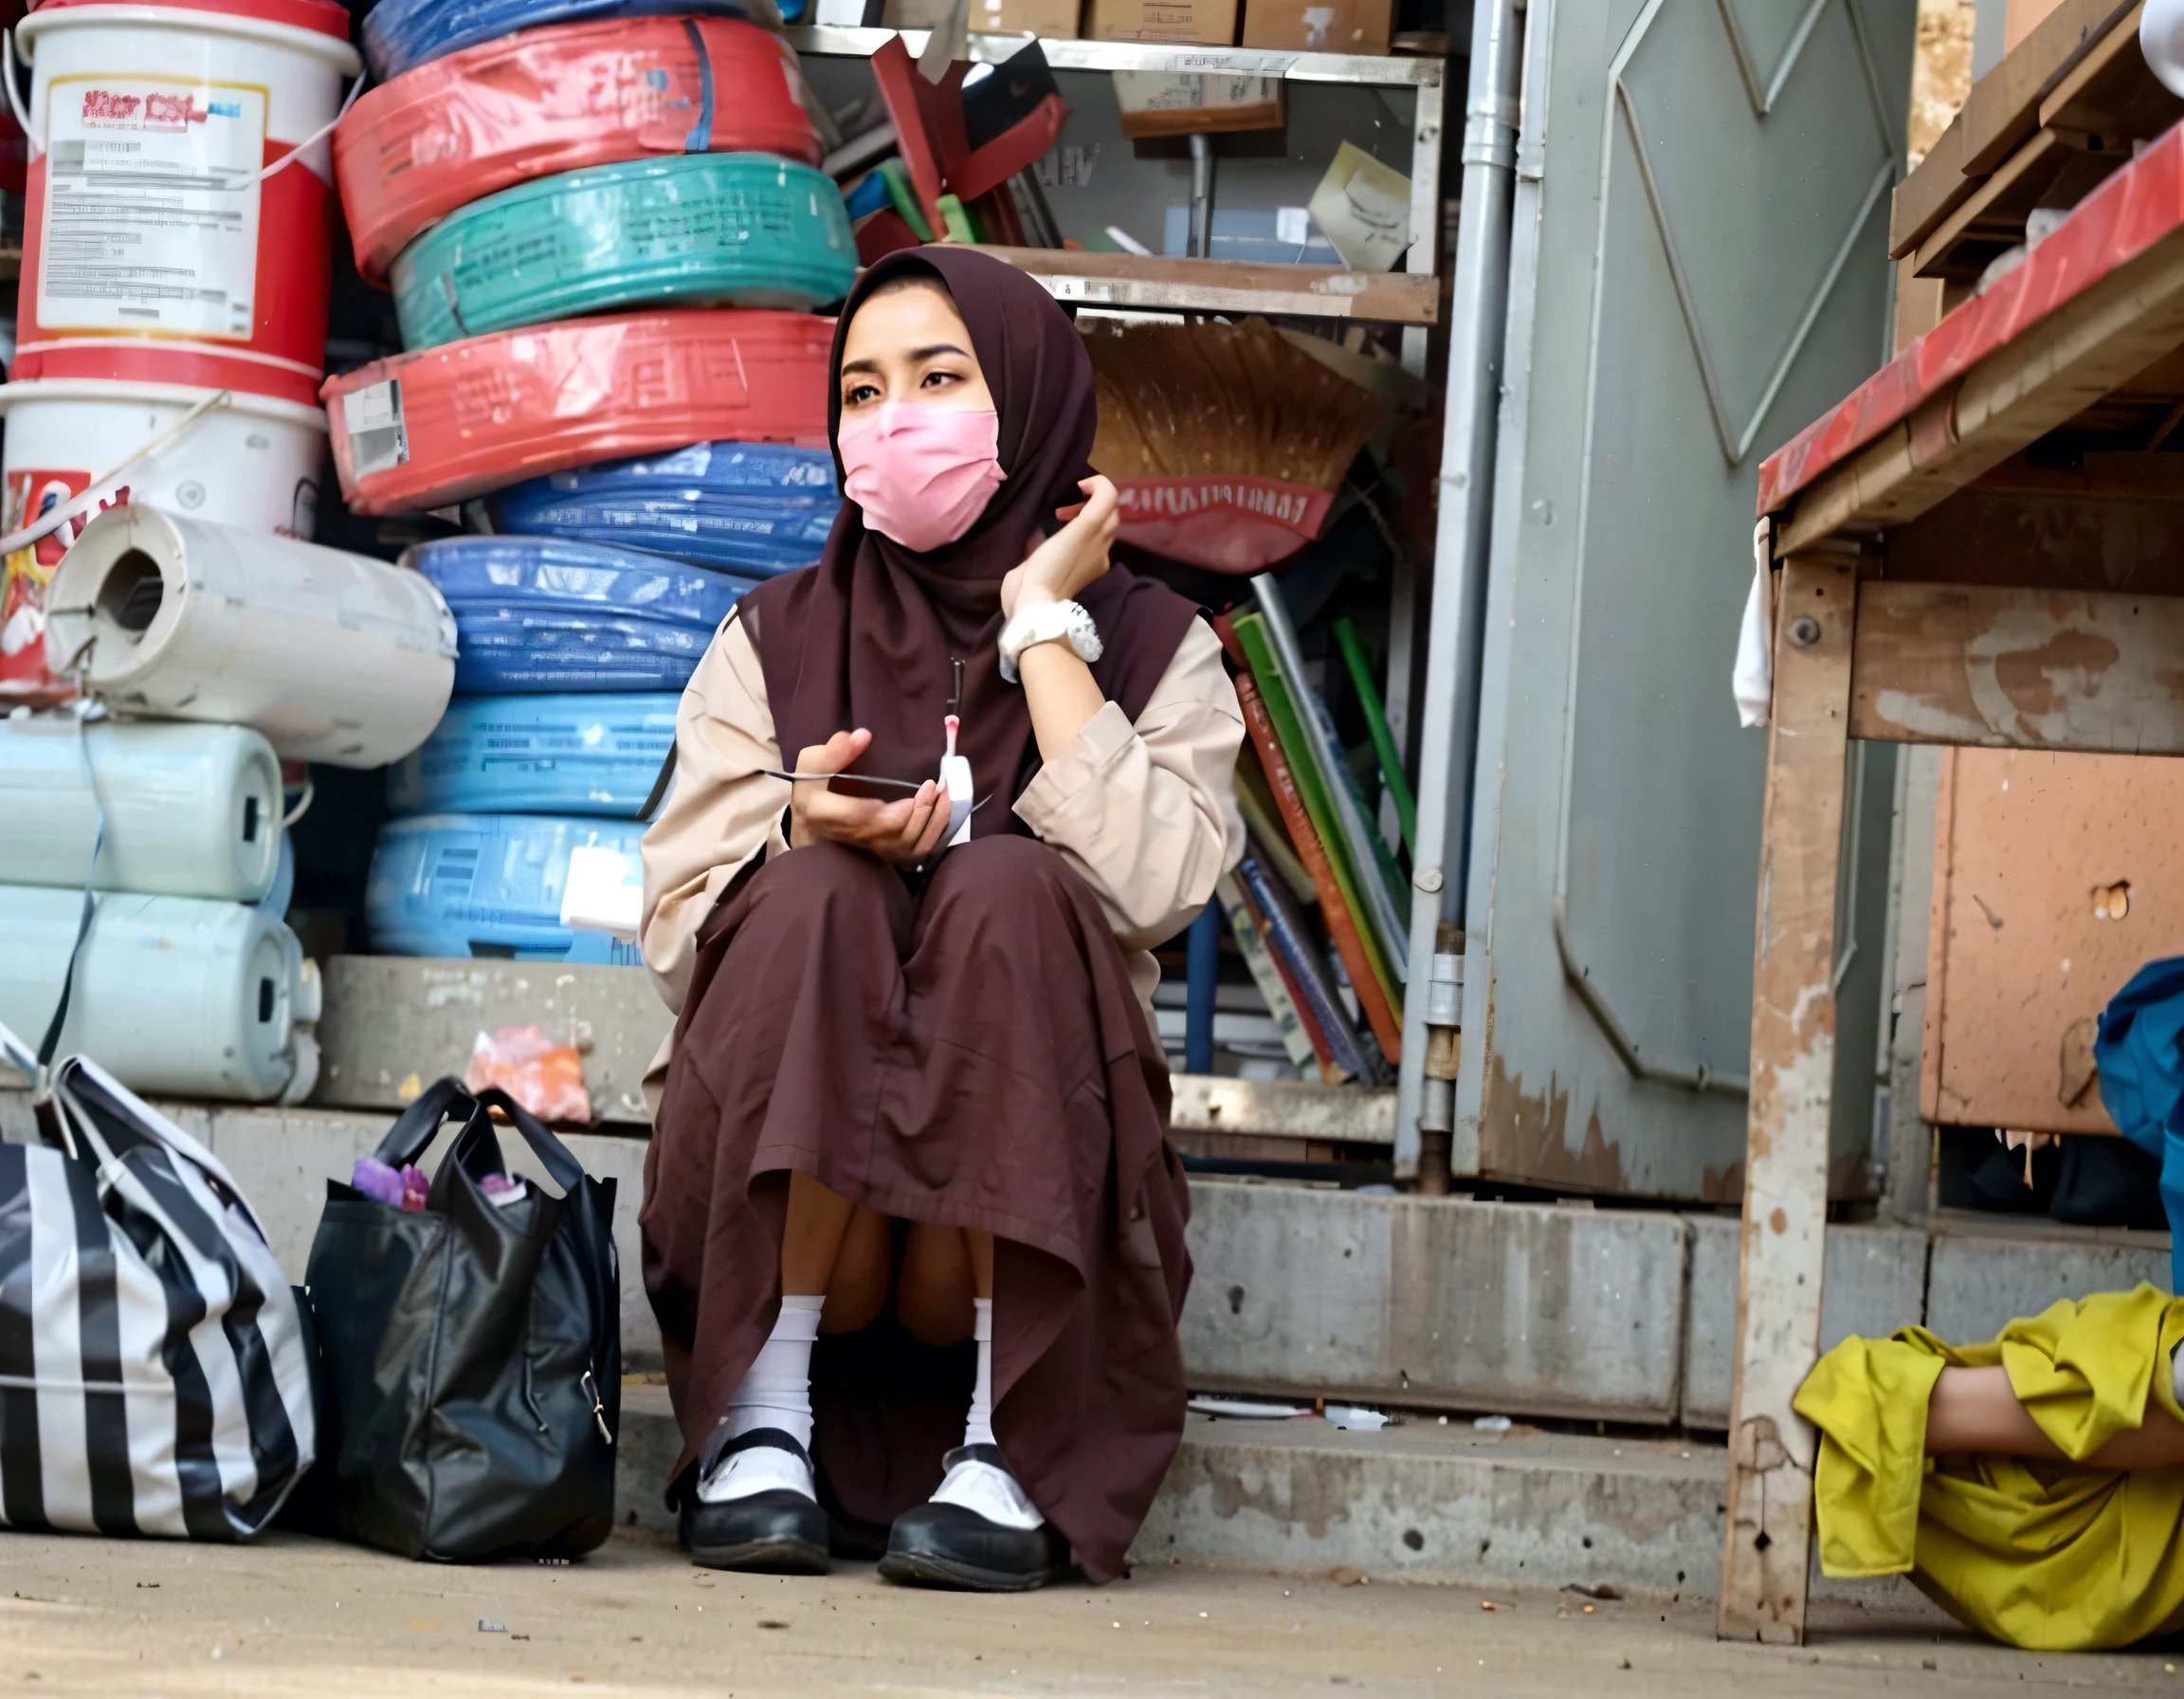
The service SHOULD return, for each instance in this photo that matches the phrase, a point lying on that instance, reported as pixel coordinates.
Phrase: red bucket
(153, 250)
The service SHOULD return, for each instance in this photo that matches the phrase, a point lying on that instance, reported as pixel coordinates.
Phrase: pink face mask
(921, 474)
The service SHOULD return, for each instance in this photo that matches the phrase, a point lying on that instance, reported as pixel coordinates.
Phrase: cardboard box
(1319, 26)
(1208, 20)
(1052, 20)
(1057, 20)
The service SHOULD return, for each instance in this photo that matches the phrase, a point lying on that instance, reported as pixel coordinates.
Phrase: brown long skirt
(970, 1053)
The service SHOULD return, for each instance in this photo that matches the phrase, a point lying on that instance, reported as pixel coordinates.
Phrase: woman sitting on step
(914, 1111)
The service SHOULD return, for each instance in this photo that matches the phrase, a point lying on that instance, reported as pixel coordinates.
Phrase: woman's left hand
(1072, 557)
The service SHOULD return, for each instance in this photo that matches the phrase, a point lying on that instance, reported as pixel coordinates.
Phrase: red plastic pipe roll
(441, 425)
(559, 98)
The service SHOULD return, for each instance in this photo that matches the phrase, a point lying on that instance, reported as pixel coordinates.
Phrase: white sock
(978, 1426)
(976, 1484)
(776, 1392)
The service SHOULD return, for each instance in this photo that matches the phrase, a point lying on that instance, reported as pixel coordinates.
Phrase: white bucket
(221, 278)
(171, 993)
(334, 657)
(252, 462)
(190, 811)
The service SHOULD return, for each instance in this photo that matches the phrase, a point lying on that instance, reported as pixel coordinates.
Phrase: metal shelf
(1153, 284)
(1369, 69)
(1411, 296)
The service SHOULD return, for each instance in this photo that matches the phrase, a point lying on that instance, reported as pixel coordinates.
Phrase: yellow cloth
(2050, 1556)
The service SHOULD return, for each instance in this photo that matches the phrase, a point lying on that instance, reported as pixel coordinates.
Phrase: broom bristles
(1222, 400)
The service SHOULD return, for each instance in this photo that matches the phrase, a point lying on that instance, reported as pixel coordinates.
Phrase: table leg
(1771, 1449)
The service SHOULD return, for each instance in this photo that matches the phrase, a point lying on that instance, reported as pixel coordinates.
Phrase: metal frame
(1426, 77)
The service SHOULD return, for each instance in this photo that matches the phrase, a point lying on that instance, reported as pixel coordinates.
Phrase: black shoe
(779, 1532)
(947, 1545)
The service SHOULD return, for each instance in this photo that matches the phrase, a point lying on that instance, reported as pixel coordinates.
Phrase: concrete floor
(305, 1616)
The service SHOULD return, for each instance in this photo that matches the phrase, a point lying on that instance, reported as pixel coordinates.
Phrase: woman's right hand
(903, 833)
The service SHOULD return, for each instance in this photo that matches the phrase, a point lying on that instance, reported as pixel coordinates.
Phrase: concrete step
(1420, 1502)
(1441, 1304)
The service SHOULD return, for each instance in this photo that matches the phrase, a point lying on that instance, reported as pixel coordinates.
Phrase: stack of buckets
(607, 243)
(171, 335)
(162, 264)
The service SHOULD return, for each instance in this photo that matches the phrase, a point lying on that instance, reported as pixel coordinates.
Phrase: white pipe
(1478, 310)
(332, 657)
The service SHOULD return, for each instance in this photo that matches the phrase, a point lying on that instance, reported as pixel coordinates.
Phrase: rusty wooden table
(1945, 572)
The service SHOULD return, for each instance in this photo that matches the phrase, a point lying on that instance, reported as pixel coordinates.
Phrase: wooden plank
(1771, 1448)
(2016, 668)
(1922, 200)
(1999, 116)
(2046, 539)
(1157, 285)
(2092, 344)
(2004, 105)
(1995, 211)
(2110, 97)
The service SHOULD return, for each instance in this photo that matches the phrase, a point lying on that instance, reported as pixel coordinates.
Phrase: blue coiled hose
(538, 613)
(691, 230)
(401, 33)
(487, 885)
(758, 509)
(539, 755)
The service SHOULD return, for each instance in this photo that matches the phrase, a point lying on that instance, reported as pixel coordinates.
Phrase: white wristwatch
(1046, 622)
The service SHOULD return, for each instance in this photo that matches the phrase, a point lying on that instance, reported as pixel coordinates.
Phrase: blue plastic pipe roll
(401, 33)
(487, 885)
(691, 230)
(535, 613)
(539, 755)
(758, 509)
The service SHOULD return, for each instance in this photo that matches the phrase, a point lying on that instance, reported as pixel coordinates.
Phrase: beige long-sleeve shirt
(1145, 812)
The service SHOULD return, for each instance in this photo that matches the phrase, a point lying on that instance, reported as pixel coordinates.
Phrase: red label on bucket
(23, 576)
(150, 207)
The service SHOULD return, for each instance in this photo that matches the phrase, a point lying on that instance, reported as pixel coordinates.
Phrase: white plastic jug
(171, 993)
(333, 657)
(191, 810)
(2161, 40)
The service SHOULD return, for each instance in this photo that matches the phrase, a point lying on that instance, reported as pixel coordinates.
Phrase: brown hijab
(868, 636)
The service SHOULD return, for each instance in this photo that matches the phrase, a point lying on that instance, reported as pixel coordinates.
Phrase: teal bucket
(692, 229)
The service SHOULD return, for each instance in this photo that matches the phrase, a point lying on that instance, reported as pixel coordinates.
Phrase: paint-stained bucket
(253, 463)
(154, 250)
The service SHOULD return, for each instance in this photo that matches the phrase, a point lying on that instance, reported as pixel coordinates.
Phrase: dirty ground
(298, 1615)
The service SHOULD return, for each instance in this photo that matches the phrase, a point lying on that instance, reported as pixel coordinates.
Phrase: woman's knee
(1002, 878)
(823, 882)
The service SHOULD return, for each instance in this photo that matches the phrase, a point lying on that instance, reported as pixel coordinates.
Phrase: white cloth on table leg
(776, 1392)
(982, 1484)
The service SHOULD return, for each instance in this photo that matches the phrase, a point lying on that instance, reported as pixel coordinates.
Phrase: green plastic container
(690, 230)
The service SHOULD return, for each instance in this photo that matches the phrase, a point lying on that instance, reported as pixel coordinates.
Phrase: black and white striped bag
(154, 1373)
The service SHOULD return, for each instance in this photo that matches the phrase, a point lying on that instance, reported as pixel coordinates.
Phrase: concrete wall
(1524, 1310)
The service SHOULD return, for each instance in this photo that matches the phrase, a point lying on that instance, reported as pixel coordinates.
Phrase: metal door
(1698, 267)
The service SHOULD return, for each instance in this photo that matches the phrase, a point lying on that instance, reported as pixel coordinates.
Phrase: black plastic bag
(471, 1350)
